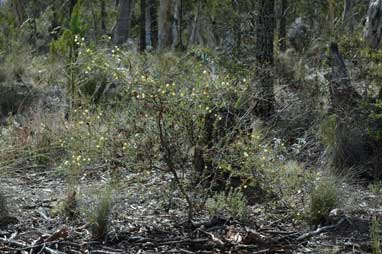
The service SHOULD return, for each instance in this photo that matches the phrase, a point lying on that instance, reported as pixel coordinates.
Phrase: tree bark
(18, 11)
(265, 59)
(165, 21)
(237, 25)
(148, 24)
(347, 16)
(282, 26)
(142, 44)
(103, 16)
(154, 23)
(123, 25)
(194, 25)
(343, 96)
(176, 25)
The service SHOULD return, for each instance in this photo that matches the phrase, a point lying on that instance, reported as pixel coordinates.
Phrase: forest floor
(139, 224)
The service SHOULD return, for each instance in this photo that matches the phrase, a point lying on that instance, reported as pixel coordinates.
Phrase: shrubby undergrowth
(183, 115)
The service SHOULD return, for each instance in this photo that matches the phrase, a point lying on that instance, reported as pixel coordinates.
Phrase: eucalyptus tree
(265, 26)
(373, 26)
(165, 24)
(123, 25)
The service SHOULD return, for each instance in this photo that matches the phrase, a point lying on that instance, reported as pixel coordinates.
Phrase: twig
(261, 251)
(168, 157)
(184, 241)
(213, 237)
(320, 230)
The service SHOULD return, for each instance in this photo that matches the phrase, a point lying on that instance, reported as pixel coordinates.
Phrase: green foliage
(88, 142)
(72, 36)
(232, 203)
(328, 130)
(67, 207)
(375, 188)
(324, 197)
(98, 215)
(375, 237)
(77, 25)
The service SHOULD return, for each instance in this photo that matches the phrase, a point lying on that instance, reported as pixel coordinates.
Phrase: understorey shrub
(16, 98)
(375, 237)
(98, 212)
(233, 204)
(354, 143)
(18, 92)
(179, 115)
(325, 196)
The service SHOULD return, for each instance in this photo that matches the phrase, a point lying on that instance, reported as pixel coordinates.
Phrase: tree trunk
(176, 25)
(282, 26)
(148, 24)
(123, 25)
(373, 26)
(142, 44)
(194, 25)
(264, 56)
(103, 16)
(165, 21)
(348, 17)
(18, 11)
(237, 24)
(154, 23)
(343, 96)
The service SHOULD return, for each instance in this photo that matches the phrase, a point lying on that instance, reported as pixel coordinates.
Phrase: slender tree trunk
(55, 26)
(103, 16)
(237, 25)
(282, 26)
(180, 24)
(148, 24)
(95, 20)
(142, 44)
(347, 16)
(265, 59)
(176, 24)
(194, 25)
(18, 11)
(165, 21)
(343, 96)
(123, 25)
(154, 23)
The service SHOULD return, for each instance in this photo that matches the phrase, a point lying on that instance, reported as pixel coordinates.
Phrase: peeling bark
(373, 26)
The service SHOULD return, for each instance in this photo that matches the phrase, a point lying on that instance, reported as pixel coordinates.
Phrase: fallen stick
(320, 230)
